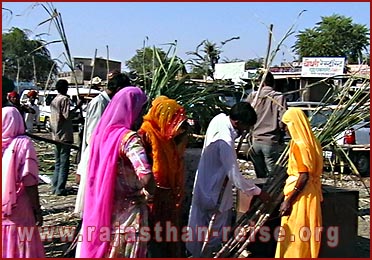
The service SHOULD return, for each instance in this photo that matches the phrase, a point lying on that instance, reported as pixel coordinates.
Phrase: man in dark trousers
(62, 131)
(268, 131)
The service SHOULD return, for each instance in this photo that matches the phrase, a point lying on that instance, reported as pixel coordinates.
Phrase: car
(355, 140)
(46, 97)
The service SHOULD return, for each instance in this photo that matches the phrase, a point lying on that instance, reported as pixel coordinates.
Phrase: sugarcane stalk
(255, 211)
(48, 140)
(213, 218)
(92, 73)
(107, 62)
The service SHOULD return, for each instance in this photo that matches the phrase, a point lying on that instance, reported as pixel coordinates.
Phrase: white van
(46, 97)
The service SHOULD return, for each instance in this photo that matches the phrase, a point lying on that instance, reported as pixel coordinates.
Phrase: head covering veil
(118, 118)
(302, 135)
(13, 142)
(161, 124)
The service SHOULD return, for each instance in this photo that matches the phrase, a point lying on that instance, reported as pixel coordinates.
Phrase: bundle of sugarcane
(350, 110)
(245, 229)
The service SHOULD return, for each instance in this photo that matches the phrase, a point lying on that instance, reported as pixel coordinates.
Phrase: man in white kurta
(94, 111)
(218, 159)
(32, 119)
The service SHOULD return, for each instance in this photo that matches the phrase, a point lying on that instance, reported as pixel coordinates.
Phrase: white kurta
(95, 109)
(32, 119)
(218, 159)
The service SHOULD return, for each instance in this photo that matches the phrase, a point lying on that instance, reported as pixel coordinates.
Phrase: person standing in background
(268, 132)
(7, 86)
(32, 119)
(62, 131)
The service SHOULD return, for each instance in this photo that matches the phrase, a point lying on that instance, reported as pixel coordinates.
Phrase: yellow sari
(302, 227)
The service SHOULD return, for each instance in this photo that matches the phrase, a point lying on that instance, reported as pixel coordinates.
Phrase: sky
(128, 26)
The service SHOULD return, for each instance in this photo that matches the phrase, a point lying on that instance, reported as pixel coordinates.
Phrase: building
(84, 67)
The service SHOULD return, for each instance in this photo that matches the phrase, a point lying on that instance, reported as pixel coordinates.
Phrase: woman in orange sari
(164, 134)
(301, 212)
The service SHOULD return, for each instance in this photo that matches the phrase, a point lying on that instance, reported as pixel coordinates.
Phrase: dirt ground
(58, 211)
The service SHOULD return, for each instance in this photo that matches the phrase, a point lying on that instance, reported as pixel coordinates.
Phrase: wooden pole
(269, 46)
(34, 65)
(107, 62)
(92, 74)
(39, 138)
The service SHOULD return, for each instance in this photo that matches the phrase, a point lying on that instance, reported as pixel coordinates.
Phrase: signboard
(233, 71)
(322, 67)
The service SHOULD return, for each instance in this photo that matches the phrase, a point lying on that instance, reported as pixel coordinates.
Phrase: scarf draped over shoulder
(18, 156)
(161, 124)
(117, 120)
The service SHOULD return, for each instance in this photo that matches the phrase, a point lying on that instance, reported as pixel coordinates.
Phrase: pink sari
(20, 170)
(118, 118)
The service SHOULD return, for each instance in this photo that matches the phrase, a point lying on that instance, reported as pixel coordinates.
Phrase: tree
(24, 59)
(144, 62)
(334, 36)
(207, 58)
(254, 63)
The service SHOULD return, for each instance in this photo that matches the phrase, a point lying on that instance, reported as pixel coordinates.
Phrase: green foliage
(334, 36)
(169, 78)
(254, 63)
(18, 54)
(144, 62)
(204, 61)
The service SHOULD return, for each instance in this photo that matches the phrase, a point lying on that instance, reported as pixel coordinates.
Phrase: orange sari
(302, 227)
(160, 126)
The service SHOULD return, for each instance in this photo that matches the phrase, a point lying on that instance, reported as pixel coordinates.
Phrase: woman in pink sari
(21, 211)
(119, 178)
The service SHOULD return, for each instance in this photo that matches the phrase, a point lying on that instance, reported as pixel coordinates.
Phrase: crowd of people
(131, 173)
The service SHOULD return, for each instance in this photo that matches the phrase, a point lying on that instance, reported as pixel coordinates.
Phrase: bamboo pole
(51, 141)
(34, 65)
(92, 74)
(254, 102)
(269, 46)
(18, 71)
(107, 62)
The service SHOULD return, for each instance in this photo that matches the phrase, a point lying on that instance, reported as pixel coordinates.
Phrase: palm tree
(209, 56)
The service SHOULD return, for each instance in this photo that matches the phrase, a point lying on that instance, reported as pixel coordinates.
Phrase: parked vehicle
(46, 97)
(355, 140)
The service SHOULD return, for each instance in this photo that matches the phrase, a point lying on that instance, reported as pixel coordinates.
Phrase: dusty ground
(57, 211)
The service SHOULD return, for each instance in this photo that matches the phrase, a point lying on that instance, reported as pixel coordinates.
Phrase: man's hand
(77, 178)
(264, 197)
(38, 217)
(285, 208)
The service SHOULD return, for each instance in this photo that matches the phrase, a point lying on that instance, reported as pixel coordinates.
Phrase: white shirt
(218, 159)
(32, 119)
(95, 109)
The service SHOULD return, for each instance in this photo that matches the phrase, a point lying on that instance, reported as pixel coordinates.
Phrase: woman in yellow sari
(299, 236)
(164, 134)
